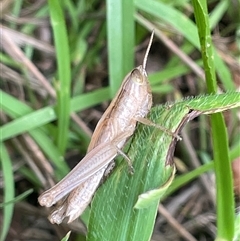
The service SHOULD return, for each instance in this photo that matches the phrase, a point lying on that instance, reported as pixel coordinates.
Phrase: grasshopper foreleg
(130, 166)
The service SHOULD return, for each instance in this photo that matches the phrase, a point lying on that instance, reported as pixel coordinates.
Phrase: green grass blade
(218, 13)
(90, 99)
(209, 104)
(64, 72)
(71, 8)
(18, 198)
(151, 151)
(120, 34)
(224, 179)
(13, 106)
(206, 45)
(224, 183)
(237, 228)
(9, 190)
(27, 122)
(66, 236)
(113, 203)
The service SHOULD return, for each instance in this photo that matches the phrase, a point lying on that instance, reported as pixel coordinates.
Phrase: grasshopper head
(139, 75)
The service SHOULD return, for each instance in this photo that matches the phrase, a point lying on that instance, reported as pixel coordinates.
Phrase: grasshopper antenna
(147, 51)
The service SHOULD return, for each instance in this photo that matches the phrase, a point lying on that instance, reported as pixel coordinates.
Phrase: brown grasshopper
(131, 105)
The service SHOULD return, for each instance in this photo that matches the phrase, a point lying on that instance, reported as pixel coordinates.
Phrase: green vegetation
(62, 61)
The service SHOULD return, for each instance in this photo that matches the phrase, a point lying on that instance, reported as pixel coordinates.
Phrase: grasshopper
(131, 105)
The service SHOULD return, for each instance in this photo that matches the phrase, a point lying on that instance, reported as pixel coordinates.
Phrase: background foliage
(62, 61)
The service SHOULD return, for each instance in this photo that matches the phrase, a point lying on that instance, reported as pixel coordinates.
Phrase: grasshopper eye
(136, 76)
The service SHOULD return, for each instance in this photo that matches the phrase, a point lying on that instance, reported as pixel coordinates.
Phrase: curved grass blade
(151, 151)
